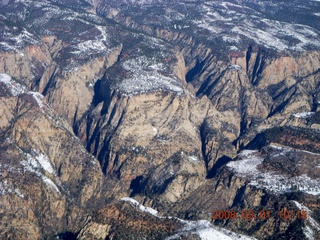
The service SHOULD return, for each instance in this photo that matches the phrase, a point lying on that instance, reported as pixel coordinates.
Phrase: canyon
(137, 119)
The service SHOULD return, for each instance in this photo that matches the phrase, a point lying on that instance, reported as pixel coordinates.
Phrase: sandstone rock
(48, 179)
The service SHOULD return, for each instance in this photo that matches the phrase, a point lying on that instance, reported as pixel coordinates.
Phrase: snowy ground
(203, 228)
(267, 32)
(140, 206)
(145, 76)
(100, 44)
(17, 89)
(6, 188)
(303, 114)
(34, 162)
(312, 228)
(14, 42)
(206, 231)
(38, 97)
(247, 167)
(37, 162)
(14, 87)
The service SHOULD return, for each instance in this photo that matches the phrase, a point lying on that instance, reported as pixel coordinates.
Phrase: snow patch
(154, 130)
(247, 165)
(235, 67)
(89, 46)
(308, 231)
(141, 207)
(34, 162)
(285, 150)
(233, 48)
(37, 160)
(5, 188)
(230, 25)
(45, 163)
(303, 114)
(98, 45)
(38, 97)
(14, 87)
(193, 158)
(145, 76)
(206, 231)
(50, 183)
(15, 42)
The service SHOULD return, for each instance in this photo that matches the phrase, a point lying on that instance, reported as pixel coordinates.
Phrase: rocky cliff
(48, 179)
(188, 108)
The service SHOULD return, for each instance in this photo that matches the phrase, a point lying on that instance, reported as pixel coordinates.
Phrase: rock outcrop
(48, 179)
(98, 103)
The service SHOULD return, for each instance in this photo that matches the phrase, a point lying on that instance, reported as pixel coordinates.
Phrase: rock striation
(185, 113)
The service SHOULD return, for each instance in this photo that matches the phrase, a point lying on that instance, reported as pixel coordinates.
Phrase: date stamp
(248, 214)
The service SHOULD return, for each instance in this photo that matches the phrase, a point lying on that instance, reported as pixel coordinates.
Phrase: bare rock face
(154, 140)
(104, 104)
(261, 86)
(257, 87)
(259, 196)
(148, 129)
(28, 65)
(48, 179)
(73, 90)
(127, 219)
(124, 220)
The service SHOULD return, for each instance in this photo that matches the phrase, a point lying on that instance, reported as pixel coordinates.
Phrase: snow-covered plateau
(145, 76)
(247, 167)
(16, 41)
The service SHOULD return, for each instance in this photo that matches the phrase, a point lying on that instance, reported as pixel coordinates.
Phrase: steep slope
(48, 180)
(163, 94)
(142, 222)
